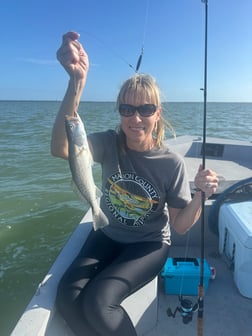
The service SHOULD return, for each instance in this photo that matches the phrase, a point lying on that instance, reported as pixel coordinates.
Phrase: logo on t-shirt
(130, 198)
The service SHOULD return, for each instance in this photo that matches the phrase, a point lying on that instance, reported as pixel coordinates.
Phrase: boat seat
(142, 307)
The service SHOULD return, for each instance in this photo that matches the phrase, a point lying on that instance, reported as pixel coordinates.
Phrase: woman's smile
(137, 128)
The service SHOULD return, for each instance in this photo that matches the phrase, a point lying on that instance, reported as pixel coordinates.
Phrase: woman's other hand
(207, 181)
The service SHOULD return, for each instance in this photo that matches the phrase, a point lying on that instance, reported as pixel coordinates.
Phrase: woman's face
(138, 129)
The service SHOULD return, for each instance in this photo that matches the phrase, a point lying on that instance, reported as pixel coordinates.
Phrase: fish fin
(78, 193)
(98, 192)
(99, 219)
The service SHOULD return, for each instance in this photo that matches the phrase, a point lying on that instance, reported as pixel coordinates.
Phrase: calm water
(39, 210)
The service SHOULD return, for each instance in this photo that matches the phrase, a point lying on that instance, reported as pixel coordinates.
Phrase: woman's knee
(105, 314)
(102, 299)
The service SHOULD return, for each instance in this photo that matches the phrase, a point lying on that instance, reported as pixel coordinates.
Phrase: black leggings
(100, 278)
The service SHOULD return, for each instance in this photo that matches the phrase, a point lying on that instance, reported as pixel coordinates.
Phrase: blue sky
(113, 32)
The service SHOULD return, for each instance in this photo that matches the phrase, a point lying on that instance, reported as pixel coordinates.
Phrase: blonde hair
(137, 86)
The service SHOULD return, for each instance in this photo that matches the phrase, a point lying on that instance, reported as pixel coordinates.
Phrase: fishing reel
(186, 310)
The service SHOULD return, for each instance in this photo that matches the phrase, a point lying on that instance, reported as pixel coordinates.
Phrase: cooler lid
(242, 213)
(184, 267)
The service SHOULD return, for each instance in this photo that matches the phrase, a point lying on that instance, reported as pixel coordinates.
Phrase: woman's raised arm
(74, 59)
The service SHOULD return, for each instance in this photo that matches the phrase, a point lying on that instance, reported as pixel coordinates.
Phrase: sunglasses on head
(127, 110)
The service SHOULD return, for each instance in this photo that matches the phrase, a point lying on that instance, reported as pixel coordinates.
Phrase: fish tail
(99, 219)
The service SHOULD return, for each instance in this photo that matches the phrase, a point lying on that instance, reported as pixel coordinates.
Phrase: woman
(145, 190)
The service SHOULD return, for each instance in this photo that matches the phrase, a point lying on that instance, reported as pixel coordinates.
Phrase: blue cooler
(182, 276)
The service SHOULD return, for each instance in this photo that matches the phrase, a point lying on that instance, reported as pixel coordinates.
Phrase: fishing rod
(202, 247)
(186, 307)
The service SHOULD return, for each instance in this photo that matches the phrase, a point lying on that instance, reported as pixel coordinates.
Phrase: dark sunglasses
(127, 110)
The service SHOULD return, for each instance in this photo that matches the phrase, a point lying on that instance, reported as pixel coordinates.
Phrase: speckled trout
(80, 162)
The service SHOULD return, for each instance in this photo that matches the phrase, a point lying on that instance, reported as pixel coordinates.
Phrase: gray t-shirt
(137, 189)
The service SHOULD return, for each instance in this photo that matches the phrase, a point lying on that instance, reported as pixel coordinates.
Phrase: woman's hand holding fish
(206, 180)
(73, 57)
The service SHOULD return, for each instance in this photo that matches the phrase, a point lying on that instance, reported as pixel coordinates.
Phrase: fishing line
(146, 18)
(112, 50)
(139, 61)
(185, 257)
(115, 52)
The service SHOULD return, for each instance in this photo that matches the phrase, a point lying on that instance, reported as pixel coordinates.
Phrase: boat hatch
(213, 149)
